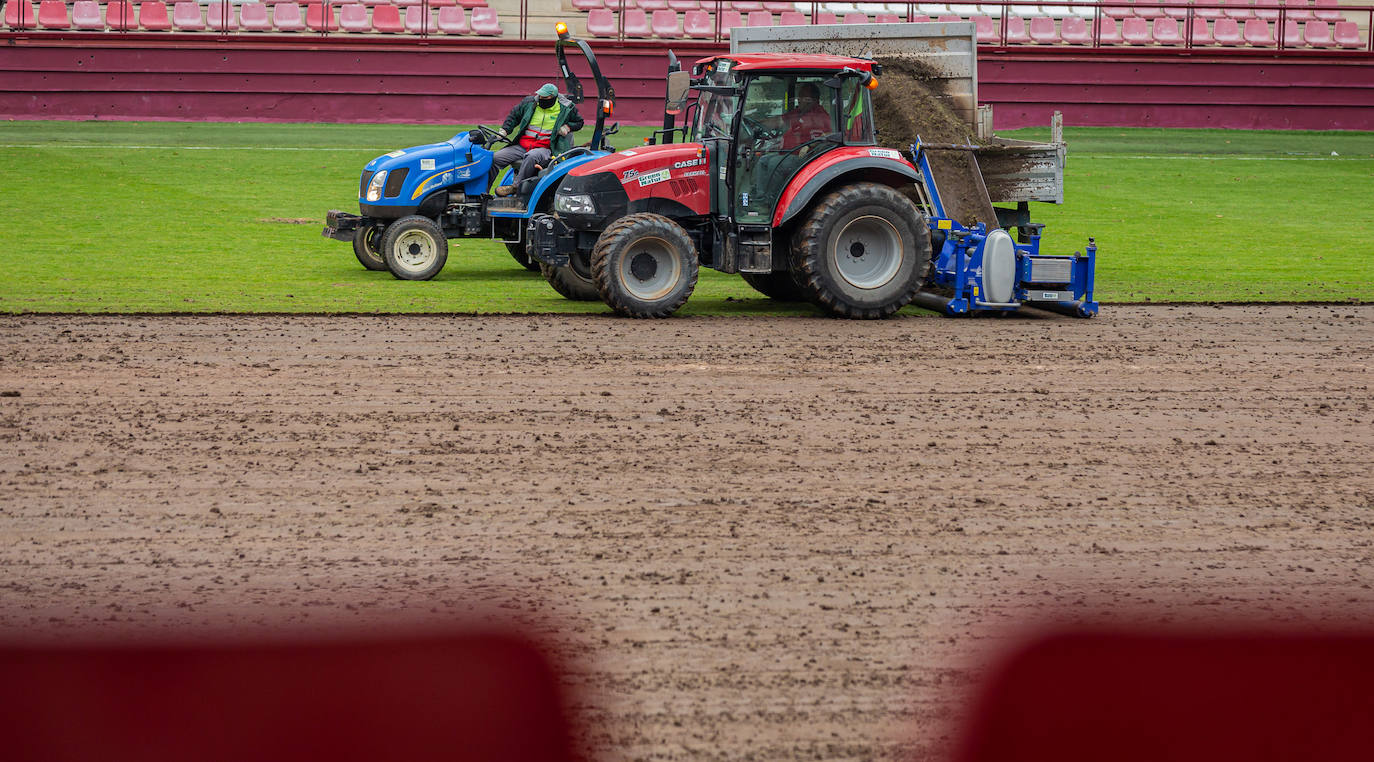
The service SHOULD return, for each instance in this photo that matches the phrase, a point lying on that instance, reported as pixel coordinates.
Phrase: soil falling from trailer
(908, 105)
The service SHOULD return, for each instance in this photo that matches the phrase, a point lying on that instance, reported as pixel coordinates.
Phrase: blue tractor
(413, 200)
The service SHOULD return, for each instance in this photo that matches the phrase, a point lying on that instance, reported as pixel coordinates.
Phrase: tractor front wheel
(574, 280)
(644, 265)
(367, 247)
(415, 248)
(518, 253)
(862, 251)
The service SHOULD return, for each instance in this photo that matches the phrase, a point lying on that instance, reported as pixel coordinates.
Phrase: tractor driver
(542, 124)
(806, 121)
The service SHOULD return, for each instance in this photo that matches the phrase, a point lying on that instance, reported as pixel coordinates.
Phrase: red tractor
(778, 179)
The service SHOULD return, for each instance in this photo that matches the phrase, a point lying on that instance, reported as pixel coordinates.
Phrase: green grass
(172, 217)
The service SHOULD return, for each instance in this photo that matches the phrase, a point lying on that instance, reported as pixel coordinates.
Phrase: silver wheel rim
(649, 270)
(415, 250)
(867, 252)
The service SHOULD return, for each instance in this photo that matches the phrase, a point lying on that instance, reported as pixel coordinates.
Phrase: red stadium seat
(1136, 31)
(86, 15)
(152, 15)
(730, 19)
(1016, 31)
(419, 20)
(637, 23)
(254, 17)
(985, 30)
(1257, 33)
(457, 697)
(698, 25)
(1328, 10)
(1042, 31)
(1226, 31)
(320, 17)
(1347, 35)
(1291, 37)
(665, 25)
(1106, 32)
(353, 18)
(220, 16)
(1317, 34)
(52, 14)
(1166, 31)
(759, 18)
(453, 20)
(120, 15)
(286, 17)
(21, 14)
(792, 18)
(1201, 34)
(1298, 10)
(486, 22)
(601, 23)
(1074, 30)
(387, 19)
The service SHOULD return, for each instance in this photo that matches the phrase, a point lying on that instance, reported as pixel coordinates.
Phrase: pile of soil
(907, 105)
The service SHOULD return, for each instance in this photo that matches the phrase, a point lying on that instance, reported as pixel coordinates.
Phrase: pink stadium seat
(760, 18)
(791, 18)
(698, 25)
(1317, 34)
(320, 17)
(471, 4)
(1136, 31)
(1226, 31)
(1257, 33)
(1292, 34)
(730, 20)
(286, 17)
(486, 22)
(856, 18)
(86, 15)
(353, 18)
(453, 20)
(601, 23)
(1147, 9)
(1042, 31)
(1074, 30)
(1118, 11)
(1299, 10)
(1201, 34)
(618, 5)
(1209, 13)
(152, 15)
(21, 14)
(1239, 9)
(1016, 31)
(665, 25)
(186, 16)
(1327, 10)
(1347, 35)
(419, 20)
(779, 7)
(1268, 14)
(220, 16)
(985, 29)
(746, 6)
(387, 19)
(826, 19)
(1166, 32)
(650, 6)
(1106, 32)
(637, 23)
(1176, 11)
(683, 5)
(52, 14)
(120, 14)
(254, 17)
(888, 18)
(588, 5)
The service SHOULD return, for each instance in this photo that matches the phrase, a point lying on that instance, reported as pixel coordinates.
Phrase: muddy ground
(756, 538)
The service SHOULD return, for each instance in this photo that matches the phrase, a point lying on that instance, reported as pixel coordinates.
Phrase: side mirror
(679, 82)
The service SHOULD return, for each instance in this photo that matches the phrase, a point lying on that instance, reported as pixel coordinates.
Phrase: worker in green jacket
(541, 125)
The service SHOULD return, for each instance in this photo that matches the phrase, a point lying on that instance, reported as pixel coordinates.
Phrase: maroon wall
(442, 80)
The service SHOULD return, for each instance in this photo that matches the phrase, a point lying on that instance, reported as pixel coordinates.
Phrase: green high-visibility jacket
(519, 119)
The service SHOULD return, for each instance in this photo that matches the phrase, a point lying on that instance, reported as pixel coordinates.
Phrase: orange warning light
(562, 30)
(872, 83)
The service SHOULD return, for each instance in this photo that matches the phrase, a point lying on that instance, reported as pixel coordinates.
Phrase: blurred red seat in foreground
(1184, 698)
(456, 697)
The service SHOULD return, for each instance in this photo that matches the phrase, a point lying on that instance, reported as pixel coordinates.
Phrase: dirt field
(756, 538)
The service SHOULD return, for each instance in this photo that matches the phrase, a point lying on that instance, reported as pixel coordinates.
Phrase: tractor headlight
(374, 188)
(574, 204)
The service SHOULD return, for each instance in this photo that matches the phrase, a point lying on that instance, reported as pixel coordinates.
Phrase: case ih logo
(629, 175)
(688, 163)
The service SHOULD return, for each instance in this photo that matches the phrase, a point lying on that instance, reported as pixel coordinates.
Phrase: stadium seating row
(1072, 30)
(1297, 10)
(279, 16)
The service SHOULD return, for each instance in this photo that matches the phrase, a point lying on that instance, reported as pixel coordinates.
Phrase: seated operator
(805, 122)
(543, 123)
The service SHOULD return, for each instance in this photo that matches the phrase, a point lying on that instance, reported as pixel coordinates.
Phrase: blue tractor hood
(455, 165)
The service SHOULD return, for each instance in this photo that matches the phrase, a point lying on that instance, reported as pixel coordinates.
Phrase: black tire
(415, 248)
(781, 286)
(367, 247)
(517, 252)
(573, 281)
(862, 251)
(644, 265)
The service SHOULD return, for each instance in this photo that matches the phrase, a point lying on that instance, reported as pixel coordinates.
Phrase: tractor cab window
(715, 111)
(785, 122)
(855, 112)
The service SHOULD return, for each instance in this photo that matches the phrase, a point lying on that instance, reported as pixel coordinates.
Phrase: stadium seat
(1074, 31)
(985, 30)
(1136, 31)
(453, 20)
(1239, 9)
(746, 6)
(1298, 10)
(649, 6)
(1201, 34)
(419, 20)
(386, 19)
(1347, 35)
(220, 16)
(1209, 13)
(1118, 11)
(1257, 33)
(888, 18)
(855, 18)
(353, 18)
(186, 16)
(698, 25)
(320, 17)
(759, 18)
(86, 15)
(665, 25)
(588, 5)
(1176, 10)
(1291, 37)
(254, 17)
(1106, 32)
(1268, 14)
(21, 14)
(1166, 31)
(52, 14)
(1317, 34)
(472, 4)
(637, 23)
(683, 5)
(152, 15)
(486, 22)
(1327, 10)
(730, 20)
(601, 23)
(1226, 31)
(791, 18)
(286, 17)
(778, 7)
(120, 15)
(1042, 31)
(1016, 30)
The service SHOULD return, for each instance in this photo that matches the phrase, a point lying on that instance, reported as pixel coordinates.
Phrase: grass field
(174, 217)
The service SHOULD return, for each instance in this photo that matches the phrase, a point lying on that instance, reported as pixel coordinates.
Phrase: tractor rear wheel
(415, 248)
(574, 280)
(780, 286)
(518, 253)
(367, 247)
(862, 251)
(644, 265)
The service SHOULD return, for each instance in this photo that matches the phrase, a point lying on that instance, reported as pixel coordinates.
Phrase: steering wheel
(569, 154)
(491, 135)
